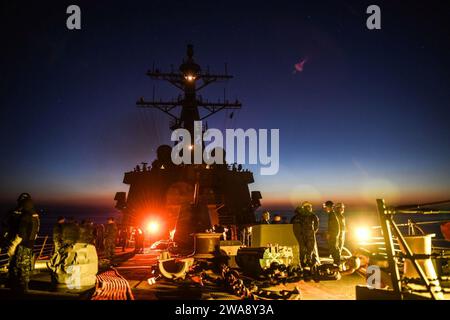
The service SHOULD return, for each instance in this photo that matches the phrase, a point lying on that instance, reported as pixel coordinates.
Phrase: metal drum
(420, 245)
(206, 244)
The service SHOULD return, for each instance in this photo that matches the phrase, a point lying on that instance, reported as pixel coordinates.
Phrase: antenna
(187, 79)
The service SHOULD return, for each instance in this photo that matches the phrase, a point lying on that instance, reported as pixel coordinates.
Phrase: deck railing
(43, 249)
(4, 260)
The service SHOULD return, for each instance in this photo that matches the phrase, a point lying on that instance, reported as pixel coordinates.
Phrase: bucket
(420, 244)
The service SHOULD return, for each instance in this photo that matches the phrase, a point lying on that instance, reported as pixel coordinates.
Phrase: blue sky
(367, 117)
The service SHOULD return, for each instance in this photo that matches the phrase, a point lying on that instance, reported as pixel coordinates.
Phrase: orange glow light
(153, 227)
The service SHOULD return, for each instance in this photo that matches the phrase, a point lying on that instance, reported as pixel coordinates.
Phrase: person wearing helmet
(86, 232)
(334, 232)
(110, 238)
(10, 223)
(9, 226)
(70, 233)
(265, 218)
(21, 250)
(276, 219)
(306, 225)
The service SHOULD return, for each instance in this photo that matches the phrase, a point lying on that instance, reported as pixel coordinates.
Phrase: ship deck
(136, 271)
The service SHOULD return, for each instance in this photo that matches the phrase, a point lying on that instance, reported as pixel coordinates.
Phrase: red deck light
(153, 227)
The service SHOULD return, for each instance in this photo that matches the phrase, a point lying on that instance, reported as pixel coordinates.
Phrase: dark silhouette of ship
(189, 197)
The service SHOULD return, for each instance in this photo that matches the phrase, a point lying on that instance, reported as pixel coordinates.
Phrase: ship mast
(190, 79)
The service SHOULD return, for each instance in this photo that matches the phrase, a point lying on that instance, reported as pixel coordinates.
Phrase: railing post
(43, 246)
(385, 216)
(411, 230)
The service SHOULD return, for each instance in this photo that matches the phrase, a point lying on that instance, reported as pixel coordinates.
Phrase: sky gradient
(367, 117)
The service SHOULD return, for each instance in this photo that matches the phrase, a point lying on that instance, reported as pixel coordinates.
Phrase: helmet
(328, 204)
(23, 196)
(306, 204)
(340, 205)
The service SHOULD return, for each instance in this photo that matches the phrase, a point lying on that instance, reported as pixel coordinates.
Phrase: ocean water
(49, 215)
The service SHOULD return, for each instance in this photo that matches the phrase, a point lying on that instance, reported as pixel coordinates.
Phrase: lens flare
(153, 227)
(362, 234)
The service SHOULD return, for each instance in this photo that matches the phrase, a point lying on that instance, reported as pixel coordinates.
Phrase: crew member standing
(110, 238)
(21, 251)
(99, 237)
(306, 225)
(10, 226)
(139, 240)
(124, 238)
(265, 218)
(86, 232)
(334, 231)
(340, 209)
(70, 233)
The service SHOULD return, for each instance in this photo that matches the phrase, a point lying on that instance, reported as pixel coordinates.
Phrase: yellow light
(189, 77)
(153, 227)
(362, 234)
(191, 147)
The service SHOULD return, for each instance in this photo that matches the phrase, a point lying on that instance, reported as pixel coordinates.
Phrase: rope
(112, 286)
(237, 286)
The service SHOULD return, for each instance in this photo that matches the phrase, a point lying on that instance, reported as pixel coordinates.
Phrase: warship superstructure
(189, 197)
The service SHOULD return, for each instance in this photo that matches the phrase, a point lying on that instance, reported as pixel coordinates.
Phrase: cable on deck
(112, 286)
